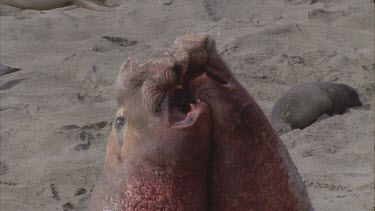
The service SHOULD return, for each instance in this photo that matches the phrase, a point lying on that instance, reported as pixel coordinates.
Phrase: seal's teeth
(178, 87)
(198, 100)
(192, 106)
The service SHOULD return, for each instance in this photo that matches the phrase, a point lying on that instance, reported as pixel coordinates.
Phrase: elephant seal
(302, 105)
(157, 159)
(249, 168)
(194, 139)
(53, 4)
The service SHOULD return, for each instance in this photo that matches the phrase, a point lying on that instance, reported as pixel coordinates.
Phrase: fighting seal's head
(157, 152)
(150, 90)
(210, 80)
(247, 159)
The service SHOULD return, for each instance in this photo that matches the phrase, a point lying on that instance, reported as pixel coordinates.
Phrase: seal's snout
(203, 56)
(195, 46)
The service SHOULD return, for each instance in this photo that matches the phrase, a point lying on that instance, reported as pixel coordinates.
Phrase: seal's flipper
(281, 128)
(4, 69)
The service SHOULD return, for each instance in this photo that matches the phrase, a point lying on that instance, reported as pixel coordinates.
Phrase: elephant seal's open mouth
(184, 102)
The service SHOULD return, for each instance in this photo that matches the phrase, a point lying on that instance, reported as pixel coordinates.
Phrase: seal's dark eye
(119, 122)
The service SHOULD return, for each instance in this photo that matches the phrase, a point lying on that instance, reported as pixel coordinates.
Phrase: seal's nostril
(119, 122)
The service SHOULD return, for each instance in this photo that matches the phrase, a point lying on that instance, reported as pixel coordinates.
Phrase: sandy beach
(56, 112)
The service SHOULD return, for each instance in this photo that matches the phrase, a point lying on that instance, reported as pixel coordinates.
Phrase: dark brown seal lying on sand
(302, 105)
(218, 153)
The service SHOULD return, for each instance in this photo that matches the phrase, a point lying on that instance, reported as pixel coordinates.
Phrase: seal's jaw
(182, 109)
(207, 71)
(188, 99)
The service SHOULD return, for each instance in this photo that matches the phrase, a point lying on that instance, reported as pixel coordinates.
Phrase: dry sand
(56, 112)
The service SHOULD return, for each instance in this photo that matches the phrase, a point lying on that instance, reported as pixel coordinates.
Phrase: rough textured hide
(219, 153)
(249, 169)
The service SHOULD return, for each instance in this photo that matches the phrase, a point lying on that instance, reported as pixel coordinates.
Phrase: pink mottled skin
(220, 153)
(162, 162)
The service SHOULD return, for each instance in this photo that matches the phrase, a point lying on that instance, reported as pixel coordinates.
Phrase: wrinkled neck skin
(250, 167)
(150, 176)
